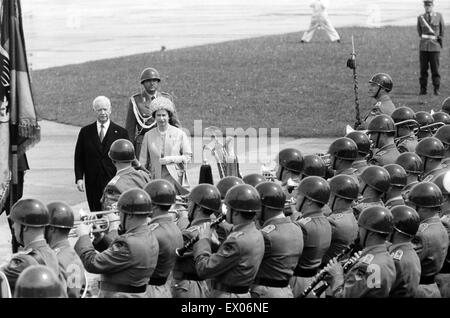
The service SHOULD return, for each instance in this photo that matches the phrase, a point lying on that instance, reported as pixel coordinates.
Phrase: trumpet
(102, 223)
(325, 157)
(180, 251)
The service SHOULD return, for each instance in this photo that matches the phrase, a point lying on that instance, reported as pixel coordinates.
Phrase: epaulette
(397, 255)
(423, 227)
(153, 226)
(428, 178)
(114, 180)
(304, 220)
(367, 259)
(165, 94)
(192, 229)
(269, 228)
(235, 235)
(381, 153)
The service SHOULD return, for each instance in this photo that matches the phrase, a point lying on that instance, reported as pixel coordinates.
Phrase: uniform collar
(312, 213)
(402, 245)
(59, 244)
(161, 218)
(371, 200)
(397, 198)
(35, 244)
(124, 170)
(239, 227)
(374, 249)
(277, 221)
(386, 147)
(140, 228)
(432, 220)
(384, 98)
(342, 210)
(200, 221)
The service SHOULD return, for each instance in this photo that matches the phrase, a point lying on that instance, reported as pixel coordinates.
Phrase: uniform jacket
(445, 219)
(407, 267)
(385, 155)
(359, 165)
(384, 105)
(364, 204)
(437, 25)
(408, 144)
(431, 175)
(407, 189)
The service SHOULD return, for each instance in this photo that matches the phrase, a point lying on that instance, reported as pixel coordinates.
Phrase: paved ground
(51, 177)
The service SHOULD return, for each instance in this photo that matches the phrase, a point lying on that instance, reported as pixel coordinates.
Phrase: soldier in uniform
(127, 264)
(343, 152)
(381, 132)
(431, 241)
(234, 266)
(30, 217)
(441, 117)
(205, 200)
(426, 124)
(127, 177)
(405, 122)
(344, 228)
(413, 166)
(443, 134)
(363, 143)
(313, 194)
(314, 165)
(407, 263)
(374, 274)
(374, 181)
(139, 119)
(379, 87)
(56, 234)
(446, 105)
(283, 245)
(38, 281)
(431, 151)
(253, 179)
(169, 237)
(430, 27)
(393, 197)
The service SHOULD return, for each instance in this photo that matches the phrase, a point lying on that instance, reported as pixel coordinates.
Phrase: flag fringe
(32, 132)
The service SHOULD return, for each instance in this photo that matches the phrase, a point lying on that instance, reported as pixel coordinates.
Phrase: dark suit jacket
(92, 161)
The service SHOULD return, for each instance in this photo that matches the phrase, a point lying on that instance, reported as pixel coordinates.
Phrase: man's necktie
(152, 98)
(102, 132)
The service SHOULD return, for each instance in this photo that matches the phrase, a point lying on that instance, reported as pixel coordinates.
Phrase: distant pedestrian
(319, 19)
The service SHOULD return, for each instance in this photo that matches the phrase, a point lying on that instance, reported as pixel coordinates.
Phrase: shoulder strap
(139, 117)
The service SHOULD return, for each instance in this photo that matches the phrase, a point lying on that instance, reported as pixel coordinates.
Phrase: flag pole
(14, 133)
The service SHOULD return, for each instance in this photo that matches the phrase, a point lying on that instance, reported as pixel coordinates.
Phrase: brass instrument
(102, 223)
(325, 157)
(268, 171)
(431, 127)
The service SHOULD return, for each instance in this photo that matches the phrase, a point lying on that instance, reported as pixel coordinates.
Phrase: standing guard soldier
(127, 264)
(57, 236)
(313, 194)
(431, 151)
(405, 122)
(204, 201)
(139, 119)
(363, 143)
(393, 197)
(234, 266)
(162, 194)
(431, 241)
(343, 152)
(413, 166)
(381, 132)
(283, 245)
(430, 27)
(426, 124)
(407, 262)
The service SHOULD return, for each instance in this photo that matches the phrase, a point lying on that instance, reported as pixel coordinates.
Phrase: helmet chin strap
(332, 204)
(333, 165)
(378, 92)
(301, 205)
(21, 242)
(378, 140)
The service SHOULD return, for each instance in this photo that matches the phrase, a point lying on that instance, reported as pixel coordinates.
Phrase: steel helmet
(439, 181)
(315, 189)
(121, 150)
(377, 178)
(314, 166)
(344, 186)
(253, 179)
(344, 148)
(411, 162)
(30, 212)
(406, 219)
(134, 201)
(430, 147)
(272, 195)
(404, 116)
(38, 281)
(441, 117)
(149, 74)
(383, 80)
(61, 215)
(381, 124)
(207, 196)
(227, 183)
(443, 134)
(161, 192)
(362, 141)
(446, 105)
(426, 194)
(243, 198)
(291, 159)
(376, 219)
(424, 118)
(397, 173)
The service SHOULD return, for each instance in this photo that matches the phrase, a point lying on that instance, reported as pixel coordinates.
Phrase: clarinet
(180, 251)
(321, 275)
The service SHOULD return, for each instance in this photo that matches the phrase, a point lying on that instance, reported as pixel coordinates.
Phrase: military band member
(253, 179)
(313, 165)
(407, 263)
(431, 151)
(283, 245)
(381, 132)
(413, 166)
(343, 152)
(426, 124)
(127, 264)
(405, 122)
(398, 177)
(139, 119)
(39, 281)
(363, 143)
(443, 134)
(374, 273)
(234, 266)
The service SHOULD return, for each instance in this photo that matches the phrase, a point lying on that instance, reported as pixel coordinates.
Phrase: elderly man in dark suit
(91, 153)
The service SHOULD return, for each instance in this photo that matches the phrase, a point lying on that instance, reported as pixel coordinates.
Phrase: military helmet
(430, 147)
(344, 186)
(314, 166)
(121, 150)
(227, 183)
(315, 189)
(207, 196)
(443, 134)
(149, 74)
(362, 141)
(61, 215)
(272, 195)
(406, 219)
(344, 148)
(426, 194)
(383, 80)
(243, 198)
(377, 178)
(30, 212)
(376, 219)
(38, 281)
(446, 105)
(381, 124)
(134, 201)
(253, 179)
(439, 181)
(424, 118)
(404, 116)
(411, 162)
(441, 117)
(291, 159)
(397, 173)
(161, 192)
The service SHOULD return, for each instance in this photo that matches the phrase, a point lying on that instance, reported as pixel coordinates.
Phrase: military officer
(430, 26)
(313, 193)
(363, 143)
(426, 125)
(431, 151)
(343, 152)
(127, 177)
(169, 237)
(56, 234)
(374, 273)
(127, 264)
(398, 177)
(431, 241)
(30, 217)
(204, 201)
(283, 245)
(139, 119)
(39, 281)
(413, 166)
(407, 262)
(405, 122)
(381, 132)
(234, 266)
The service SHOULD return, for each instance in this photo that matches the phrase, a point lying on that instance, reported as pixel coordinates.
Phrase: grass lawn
(306, 90)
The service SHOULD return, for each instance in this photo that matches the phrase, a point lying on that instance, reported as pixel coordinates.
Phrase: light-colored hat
(161, 103)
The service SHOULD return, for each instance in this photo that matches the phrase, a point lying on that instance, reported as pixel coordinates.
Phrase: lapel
(95, 138)
(109, 137)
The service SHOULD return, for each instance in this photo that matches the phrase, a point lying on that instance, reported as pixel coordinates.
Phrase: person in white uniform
(319, 19)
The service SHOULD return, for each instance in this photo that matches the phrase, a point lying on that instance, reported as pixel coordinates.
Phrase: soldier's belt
(157, 281)
(231, 289)
(428, 36)
(302, 272)
(122, 288)
(271, 282)
(427, 280)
